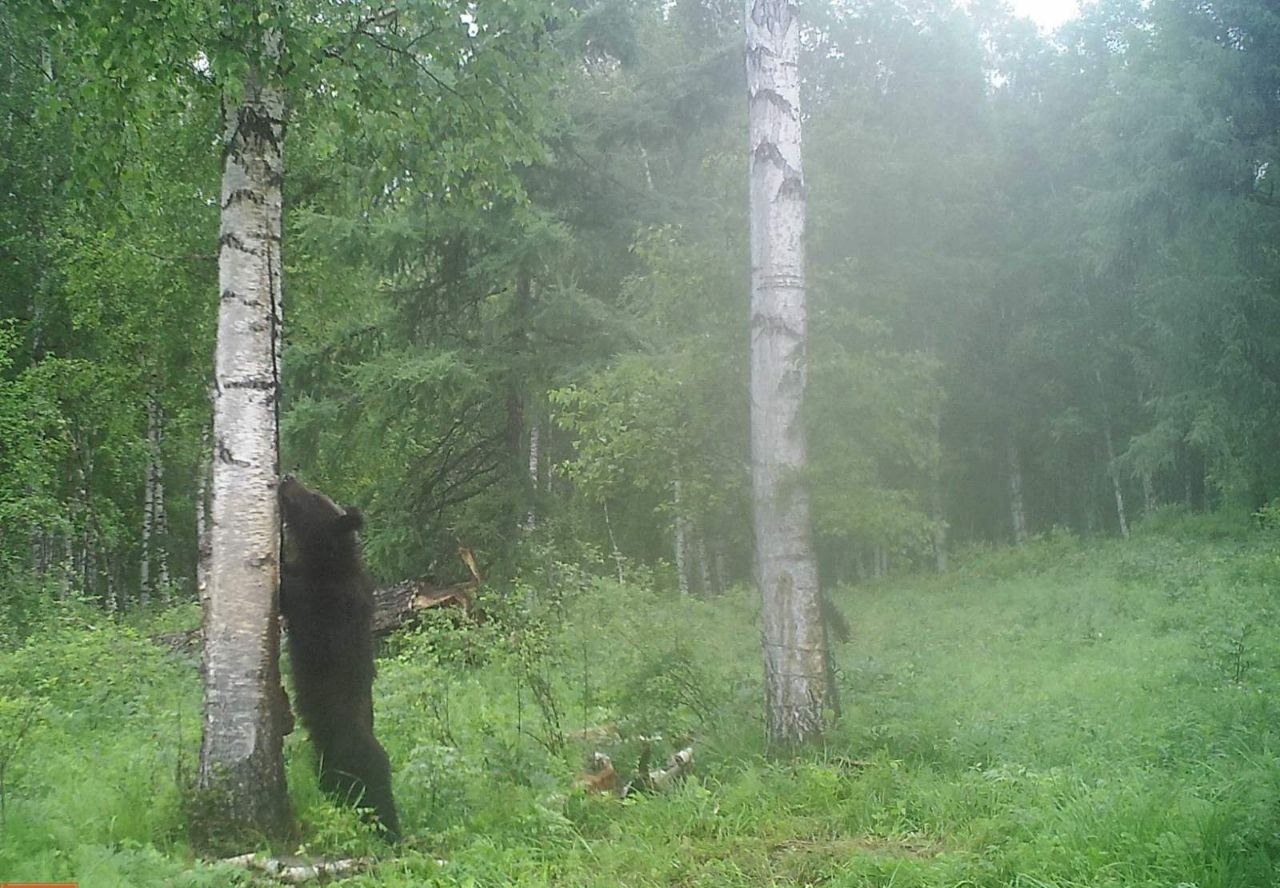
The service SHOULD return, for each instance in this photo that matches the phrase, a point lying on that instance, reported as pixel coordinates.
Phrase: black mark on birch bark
(792, 186)
(225, 455)
(235, 243)
(251, 195)
(776, 99)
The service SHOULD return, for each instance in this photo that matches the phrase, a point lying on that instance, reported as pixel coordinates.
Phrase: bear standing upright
(327, 599)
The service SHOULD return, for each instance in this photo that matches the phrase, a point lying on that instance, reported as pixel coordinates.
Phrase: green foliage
(531, 220)
(77, 677)
(872, 412)
(1064, 723)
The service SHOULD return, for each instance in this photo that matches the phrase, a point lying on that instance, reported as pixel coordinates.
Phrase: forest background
(1042, 269)
(1043, 282)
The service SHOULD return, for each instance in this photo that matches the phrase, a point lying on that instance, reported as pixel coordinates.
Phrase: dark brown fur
(327, 601)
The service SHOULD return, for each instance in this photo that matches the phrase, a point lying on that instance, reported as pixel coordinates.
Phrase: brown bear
(327, 601)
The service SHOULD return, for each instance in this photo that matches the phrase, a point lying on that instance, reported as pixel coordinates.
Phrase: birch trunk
(681, 540)
(795, 655)
(241, 763)
(160, 525)
(202, 514)
(531, 517)
(68, 567)
(1148, 494)
(149, 503)
(1017, 509)
(1115, 481)
(110, 589)
(546, 444)
(148, 517)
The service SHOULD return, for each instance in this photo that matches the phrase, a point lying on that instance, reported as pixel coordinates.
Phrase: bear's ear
(352, 520)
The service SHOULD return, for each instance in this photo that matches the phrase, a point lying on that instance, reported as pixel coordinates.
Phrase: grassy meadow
(1072, 713)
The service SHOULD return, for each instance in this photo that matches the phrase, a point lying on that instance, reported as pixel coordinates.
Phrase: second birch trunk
(795, 655)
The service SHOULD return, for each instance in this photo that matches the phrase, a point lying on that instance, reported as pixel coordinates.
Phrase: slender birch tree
(795, 649)
(241, 760)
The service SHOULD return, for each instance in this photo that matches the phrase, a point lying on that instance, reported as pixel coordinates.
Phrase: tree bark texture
(1115, 481)
(161, 526)
(241, 761)
(203, 544)
(531, 517)
(155, 525)
(148, 510)
(795, 656)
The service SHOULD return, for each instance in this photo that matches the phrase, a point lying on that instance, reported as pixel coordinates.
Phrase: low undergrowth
(1070, 714)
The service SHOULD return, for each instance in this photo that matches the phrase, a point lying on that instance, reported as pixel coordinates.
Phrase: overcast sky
(1048, 14)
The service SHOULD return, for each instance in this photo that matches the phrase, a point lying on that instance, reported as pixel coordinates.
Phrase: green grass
(1070, 714)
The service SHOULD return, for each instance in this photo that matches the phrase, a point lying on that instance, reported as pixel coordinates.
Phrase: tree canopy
(1038, 263)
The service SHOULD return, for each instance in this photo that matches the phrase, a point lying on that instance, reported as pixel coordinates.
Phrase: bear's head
(318, 532)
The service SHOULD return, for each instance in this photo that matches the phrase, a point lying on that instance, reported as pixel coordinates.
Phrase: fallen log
(394, 606)
(296, 871)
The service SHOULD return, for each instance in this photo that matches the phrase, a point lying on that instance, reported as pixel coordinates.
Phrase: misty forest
(761, 443)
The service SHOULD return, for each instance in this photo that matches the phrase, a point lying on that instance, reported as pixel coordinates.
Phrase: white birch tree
(795, 651)
(681, 542)
(241, 760)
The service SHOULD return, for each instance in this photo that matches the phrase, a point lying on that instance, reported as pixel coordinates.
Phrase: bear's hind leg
(357, 772)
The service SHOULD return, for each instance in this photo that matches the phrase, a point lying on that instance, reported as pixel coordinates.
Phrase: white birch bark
(1148, 494)
(160, 526)
(148, 504)
(241, 762)
(1115, 481)
(203, 544)
(549, 460)
(68, 567)
(1017, 509)
(111, 592)
(148, 516)
(531, 517)
(795, 656)
(681, 542)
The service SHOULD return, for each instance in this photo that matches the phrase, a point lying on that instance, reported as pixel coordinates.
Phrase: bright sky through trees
(1048, 14)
